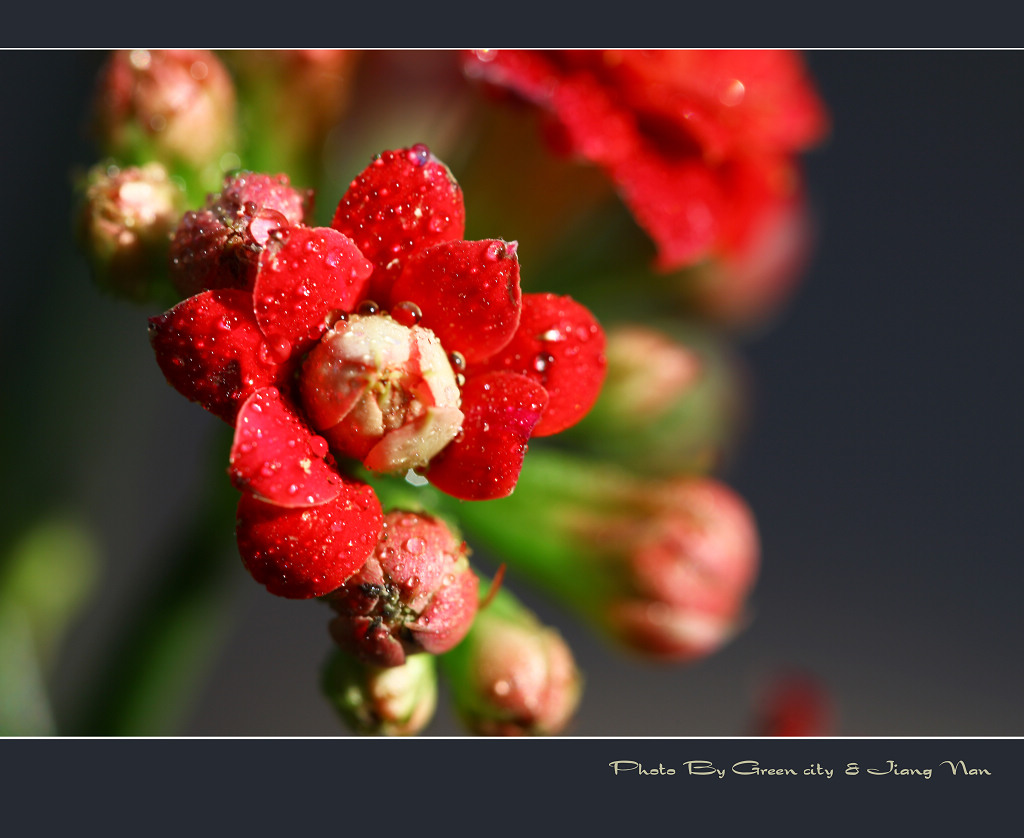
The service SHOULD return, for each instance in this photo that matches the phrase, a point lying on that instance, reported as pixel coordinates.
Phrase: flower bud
(664, 566)
(416, 593)
(376, 701)
(669, 404)
(124, 224)
(174, 106)
(219, 245)
(686, 565)
(513, 676)
(382, 392)
(289, 100)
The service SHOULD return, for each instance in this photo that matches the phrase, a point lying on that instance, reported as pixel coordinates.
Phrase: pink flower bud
(125, 223)
(513, 676)
(686, 570)
(175, 105)
(382, 392)
(673, 401)
(376, 701)
(416, 593)
(219, 246)
(664, 566)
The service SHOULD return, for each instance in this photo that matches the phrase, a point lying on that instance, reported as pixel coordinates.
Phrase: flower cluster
(385, 339)
(379, 365)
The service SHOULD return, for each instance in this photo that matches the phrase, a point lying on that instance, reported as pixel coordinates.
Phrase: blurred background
(883, 461)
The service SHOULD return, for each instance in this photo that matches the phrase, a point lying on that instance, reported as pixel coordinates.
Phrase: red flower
(699, 143)
(303, 358)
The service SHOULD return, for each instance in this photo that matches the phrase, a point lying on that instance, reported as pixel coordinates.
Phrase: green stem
(168, 643)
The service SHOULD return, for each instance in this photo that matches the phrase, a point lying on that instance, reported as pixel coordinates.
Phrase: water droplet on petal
(543, 361)
(407, 313)
(418, 155)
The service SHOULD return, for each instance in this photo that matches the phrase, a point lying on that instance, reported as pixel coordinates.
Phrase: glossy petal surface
(303, 278)
(484, 462)
(560, 346)
(468, 293)
(404, 201)
(212, 351)
(276, 456)
(307, 552)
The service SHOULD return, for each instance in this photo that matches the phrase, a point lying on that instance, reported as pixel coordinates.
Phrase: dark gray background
(883, 464)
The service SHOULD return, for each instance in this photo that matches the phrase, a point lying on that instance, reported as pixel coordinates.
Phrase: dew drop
(415, 545)
(457, 360)
(368, 307)
(278, 348)
(495, 251)
(418, 154)
(543, 361)
(407, 313)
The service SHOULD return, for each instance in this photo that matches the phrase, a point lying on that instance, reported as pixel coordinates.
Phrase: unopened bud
(173, 106)
(382, 392)
(416, 593)
(382, 701)
(670, 403)
(219, 245)
(513, 676)
(289, 100)
(124, 225)
(663, 565)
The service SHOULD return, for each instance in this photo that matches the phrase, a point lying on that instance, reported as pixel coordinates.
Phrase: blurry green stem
(168, 643)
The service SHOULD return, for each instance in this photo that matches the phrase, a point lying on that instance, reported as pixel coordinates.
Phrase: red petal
(404, 201)
(302, 553)
(559, 345)
(212, 351)
(468, 292)
(484, 461)
(276, 456)
(304, 277)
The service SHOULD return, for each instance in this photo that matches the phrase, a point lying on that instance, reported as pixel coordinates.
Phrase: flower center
(382, 392)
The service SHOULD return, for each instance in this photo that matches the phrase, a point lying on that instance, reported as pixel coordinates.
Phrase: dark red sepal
(404, 201)
(484, 461)
(303, 553)
(212, 351)
(304, 276)
(277, 457)
(561, 346)
(468, 293)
